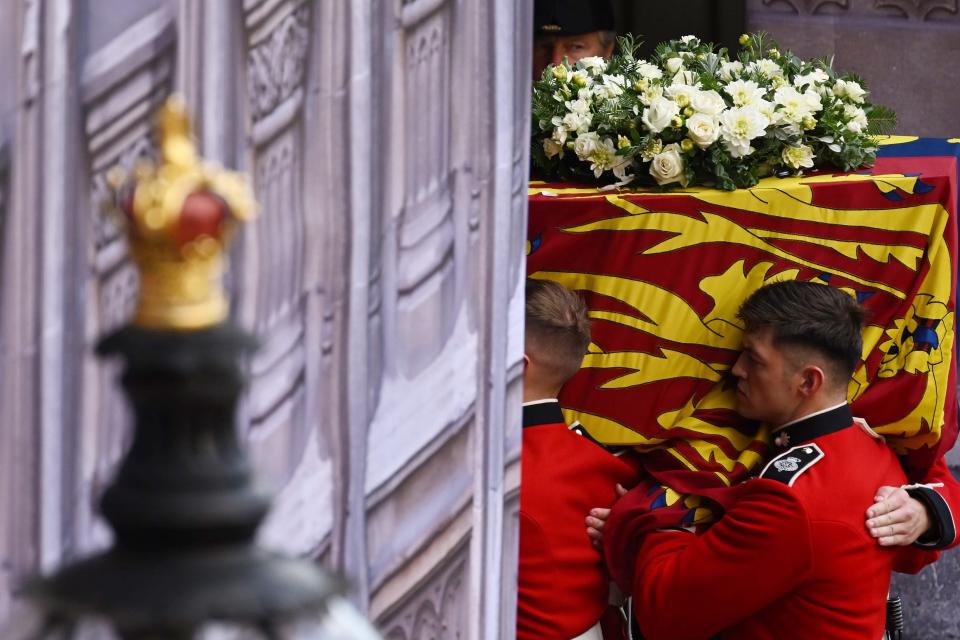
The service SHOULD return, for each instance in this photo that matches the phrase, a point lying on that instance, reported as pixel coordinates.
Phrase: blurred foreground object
(184, 506)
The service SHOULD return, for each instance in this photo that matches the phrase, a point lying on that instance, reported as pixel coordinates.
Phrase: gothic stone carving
(275, 66)
(919, 9)
(810, 7)
(278, 40)
(437, 611)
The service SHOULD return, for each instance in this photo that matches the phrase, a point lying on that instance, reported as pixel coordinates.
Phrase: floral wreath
(691, 115)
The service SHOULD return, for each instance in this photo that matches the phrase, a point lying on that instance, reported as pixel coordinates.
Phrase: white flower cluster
(693, 111)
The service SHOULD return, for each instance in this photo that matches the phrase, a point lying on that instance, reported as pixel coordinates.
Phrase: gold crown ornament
(180, 216)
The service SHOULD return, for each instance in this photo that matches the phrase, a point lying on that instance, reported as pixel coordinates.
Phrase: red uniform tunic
(563, 586)
(792, 557)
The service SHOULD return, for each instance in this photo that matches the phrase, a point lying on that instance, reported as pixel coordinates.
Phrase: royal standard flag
(665, 273)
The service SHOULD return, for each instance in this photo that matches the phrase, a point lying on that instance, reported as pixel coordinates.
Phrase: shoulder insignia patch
(790, 465)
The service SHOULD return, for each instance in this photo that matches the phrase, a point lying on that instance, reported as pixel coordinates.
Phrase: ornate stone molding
(919, 9)
(276, 60)
(436, 610)
(277, 43)
(809, 7)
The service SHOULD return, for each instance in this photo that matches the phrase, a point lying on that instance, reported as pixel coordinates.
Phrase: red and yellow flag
(665, 273)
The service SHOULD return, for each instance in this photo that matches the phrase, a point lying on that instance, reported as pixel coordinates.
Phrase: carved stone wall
(123, 83)
(278, 38)
(904, 49)
(386, 142)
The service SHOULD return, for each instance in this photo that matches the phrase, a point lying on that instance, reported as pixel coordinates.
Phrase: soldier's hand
(896, 519)
(598, 518)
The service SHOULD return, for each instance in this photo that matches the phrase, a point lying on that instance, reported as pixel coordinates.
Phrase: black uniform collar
(814, 426)
(544, 412)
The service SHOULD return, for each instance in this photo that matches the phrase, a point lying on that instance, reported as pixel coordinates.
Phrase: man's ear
(526, 361)
(811, 380)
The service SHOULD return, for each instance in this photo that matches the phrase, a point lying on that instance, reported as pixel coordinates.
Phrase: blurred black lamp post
(184, 506)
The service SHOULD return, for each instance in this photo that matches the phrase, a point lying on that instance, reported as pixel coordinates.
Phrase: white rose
(667, 166)
(856, 118)
(729, 69)
(579, 105)
(767, 67)
(709, 102)
(814, 78)
(578, 122)
(797, 157)
(674, 65)
(594, 64)
(740, 125)
(744, 93)
(688, 39)
(559, 132)
(551, 147)
(813, 100)
(703, 129)
(856, 92)
(658, 115)
(649, 71)
(850, 90)
(612, 86)
(586, 144)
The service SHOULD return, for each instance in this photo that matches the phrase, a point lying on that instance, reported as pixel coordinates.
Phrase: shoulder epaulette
(792, 463)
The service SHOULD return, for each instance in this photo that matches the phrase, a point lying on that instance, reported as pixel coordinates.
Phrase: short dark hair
(557, 328)
(809, 315)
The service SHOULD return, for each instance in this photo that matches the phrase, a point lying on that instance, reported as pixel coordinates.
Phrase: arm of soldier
(597, 519)
(919, 514)
(756, 553)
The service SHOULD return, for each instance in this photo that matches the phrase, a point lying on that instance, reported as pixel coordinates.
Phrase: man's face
(553, 49)
(767, 380)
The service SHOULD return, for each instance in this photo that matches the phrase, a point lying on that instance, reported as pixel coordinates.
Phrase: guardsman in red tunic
(563, 585)
(791, 557)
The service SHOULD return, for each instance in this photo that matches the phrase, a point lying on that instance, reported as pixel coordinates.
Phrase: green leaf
(882, 121)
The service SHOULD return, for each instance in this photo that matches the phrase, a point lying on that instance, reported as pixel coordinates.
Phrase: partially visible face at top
(768, 380)
(549, 49)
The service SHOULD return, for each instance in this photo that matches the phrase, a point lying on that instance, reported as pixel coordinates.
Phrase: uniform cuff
(942, 527)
